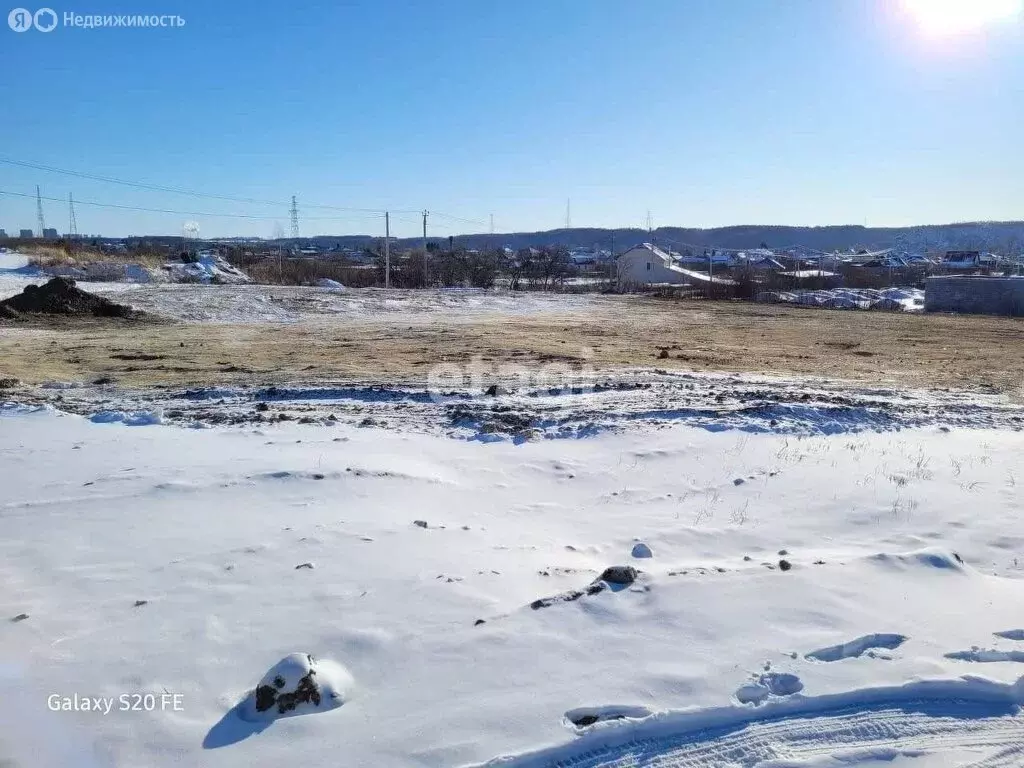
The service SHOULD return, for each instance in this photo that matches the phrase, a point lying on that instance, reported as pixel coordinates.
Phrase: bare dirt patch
(610, 333)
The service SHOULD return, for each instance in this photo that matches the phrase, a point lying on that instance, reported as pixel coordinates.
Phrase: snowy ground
(891, 299)
(828, 573)
(181, 562)
(574, 405)
(9, 260)
(287, 304)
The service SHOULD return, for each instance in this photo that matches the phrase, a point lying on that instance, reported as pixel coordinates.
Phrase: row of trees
(529, 269)
(542, 268)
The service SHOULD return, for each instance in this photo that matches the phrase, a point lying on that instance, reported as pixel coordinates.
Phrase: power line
(211, 196)
(174, 190)
(192, 213)
(474, 222)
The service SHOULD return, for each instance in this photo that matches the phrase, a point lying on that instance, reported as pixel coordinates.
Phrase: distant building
(583, 256)
(757, 260)
(646, 264)
(714, 257)
(50, 233)
(27, 234)
(955, 260)
(3, 234)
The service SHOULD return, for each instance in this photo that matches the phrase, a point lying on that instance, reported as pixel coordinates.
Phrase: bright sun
(947, 17)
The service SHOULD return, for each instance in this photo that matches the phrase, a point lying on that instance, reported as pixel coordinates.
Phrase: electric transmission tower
(295, 218)
(39, 212)
(72, 224)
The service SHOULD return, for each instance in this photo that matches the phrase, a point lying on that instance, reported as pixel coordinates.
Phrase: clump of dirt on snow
(297, 684)
(60, 296)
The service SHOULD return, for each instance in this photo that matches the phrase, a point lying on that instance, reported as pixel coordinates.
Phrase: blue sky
(705, 112)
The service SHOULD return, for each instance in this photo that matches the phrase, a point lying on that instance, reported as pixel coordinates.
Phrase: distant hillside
(994, 236)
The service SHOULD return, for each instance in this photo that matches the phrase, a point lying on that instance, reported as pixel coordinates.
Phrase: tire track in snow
(930, 716)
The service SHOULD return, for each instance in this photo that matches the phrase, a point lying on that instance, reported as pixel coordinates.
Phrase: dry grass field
(609, 333)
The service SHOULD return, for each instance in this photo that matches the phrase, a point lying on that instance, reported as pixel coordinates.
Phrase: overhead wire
(212, 196)
(188, 213)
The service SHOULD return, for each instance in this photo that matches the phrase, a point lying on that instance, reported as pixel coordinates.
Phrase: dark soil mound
(60, 296)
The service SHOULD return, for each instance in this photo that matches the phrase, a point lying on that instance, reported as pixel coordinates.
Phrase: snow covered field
(630, 566)
(810, 601)
(11, 261)
(190, 302)
(888, 299)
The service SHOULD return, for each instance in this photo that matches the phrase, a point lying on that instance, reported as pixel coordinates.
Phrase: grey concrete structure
(975, 295)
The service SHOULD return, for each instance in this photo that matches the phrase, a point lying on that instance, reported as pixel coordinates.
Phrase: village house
(646, 264)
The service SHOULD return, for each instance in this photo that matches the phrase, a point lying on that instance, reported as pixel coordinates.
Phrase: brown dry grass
(48, 256)
(45, 256)
(894, 349)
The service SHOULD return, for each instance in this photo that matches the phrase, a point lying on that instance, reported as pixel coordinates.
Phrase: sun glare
(950, 17)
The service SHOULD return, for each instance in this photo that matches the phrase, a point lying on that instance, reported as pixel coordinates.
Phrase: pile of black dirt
(60, 296)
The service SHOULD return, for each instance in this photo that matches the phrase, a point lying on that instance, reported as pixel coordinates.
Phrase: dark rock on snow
(619, 574)
(285, 694)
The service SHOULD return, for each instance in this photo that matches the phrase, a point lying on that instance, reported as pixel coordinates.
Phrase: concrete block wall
(975, 295)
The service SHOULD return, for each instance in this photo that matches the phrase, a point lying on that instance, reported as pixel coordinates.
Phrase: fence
(975, 295)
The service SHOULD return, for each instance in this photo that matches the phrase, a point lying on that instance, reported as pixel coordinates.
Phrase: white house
(646, 264)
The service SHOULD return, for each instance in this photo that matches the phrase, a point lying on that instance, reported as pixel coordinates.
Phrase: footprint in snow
(768, 684)
(1011, 634)
(584, 717)
(866, 645)
(986, 656)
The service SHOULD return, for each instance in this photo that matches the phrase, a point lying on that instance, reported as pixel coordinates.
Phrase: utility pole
(426, 260)
(387, 249)
(39, 212)
(613, 268)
